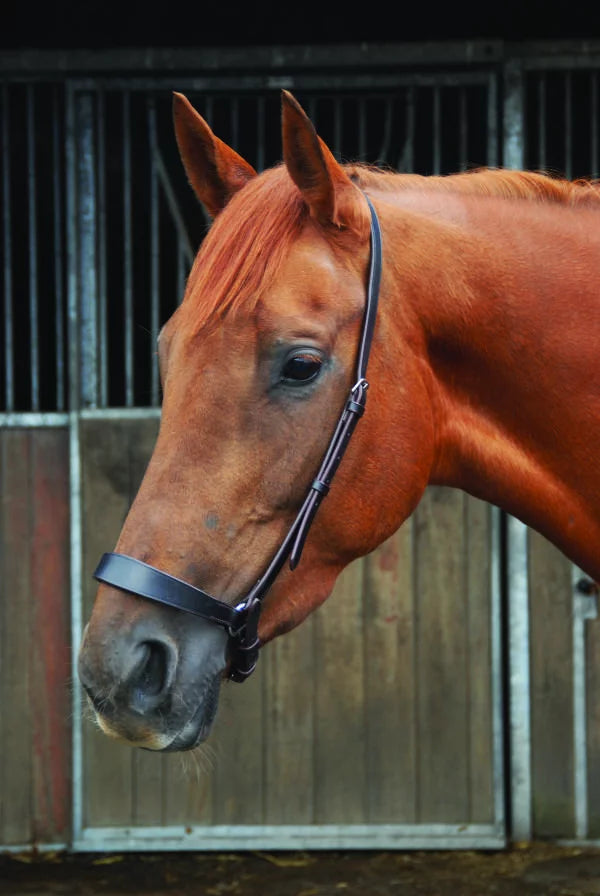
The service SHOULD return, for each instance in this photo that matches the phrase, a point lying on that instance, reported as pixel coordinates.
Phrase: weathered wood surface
(592, 653)
(35, 654)
(377, 709)
(551, 665)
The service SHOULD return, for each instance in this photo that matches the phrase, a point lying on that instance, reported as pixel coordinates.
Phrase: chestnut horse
(484, 375)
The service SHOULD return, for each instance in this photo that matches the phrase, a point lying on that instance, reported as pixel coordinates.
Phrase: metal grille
(139, 224)
(134, 250)
(32, 239)
(563, 114)
(117, 216)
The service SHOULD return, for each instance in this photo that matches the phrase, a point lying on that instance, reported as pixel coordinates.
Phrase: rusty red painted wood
(50, 648)
(34, 616)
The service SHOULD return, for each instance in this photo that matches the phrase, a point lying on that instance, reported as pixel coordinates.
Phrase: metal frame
(289, 837)
(89, 398)
(585, 606)
(268, 68)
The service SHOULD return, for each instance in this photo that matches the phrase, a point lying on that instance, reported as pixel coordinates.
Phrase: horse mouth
(139, 732)
(199, 725)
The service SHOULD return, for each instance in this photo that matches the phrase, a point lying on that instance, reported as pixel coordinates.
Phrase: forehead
(315, 278)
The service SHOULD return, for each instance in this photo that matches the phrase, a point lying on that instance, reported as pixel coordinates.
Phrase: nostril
(151, 677)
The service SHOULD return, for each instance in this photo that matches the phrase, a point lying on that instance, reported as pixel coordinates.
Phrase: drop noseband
(241, 621)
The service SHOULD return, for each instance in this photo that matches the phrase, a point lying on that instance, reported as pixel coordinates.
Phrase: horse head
(256, 365)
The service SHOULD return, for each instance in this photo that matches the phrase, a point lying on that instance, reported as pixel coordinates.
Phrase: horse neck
(504, 294)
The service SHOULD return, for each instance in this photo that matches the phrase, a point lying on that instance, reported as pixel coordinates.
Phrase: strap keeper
(319, 486)
(355, 407)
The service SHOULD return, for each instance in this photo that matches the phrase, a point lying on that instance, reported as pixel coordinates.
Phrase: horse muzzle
(153, 685)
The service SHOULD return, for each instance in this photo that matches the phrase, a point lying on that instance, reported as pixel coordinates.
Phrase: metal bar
(76, 619)
(584, 608)
(9, 386)
(545, 61)
(437, 128)
(463, 128)
(542, 120)
(234, 117)
(519, 680)
(362, 129)
(119, 413)
(169, 193)
(496, 653)
(209, 110)
(87, 257)
(513, 116)
(568, 126)
(102, 251)
(28, 848)
(239, 83)
(384, 149)
(268, 58)
(182, 269)
(57, 199)
(127, 251)
(154, 255)
(406, 162)
(493, 141)
(337, 127)
(260, 131)
(291, 837)
(34, 348)
(595, 145)
(33, 420)
(71, 150)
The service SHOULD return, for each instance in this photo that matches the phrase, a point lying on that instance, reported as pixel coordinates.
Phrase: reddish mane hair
(247, 242)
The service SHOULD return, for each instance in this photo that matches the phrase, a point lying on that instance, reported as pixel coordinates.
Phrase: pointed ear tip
(179, 99)
(289, 101)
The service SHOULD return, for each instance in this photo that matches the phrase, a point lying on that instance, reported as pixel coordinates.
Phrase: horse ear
(327, 189)
(214, 170)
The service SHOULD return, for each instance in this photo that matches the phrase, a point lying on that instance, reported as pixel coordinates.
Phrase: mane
(491, 182)
(245, 246)
(247, 242)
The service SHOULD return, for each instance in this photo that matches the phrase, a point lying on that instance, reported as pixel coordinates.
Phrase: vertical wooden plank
(442, 690)
(238, 740)
(108, 789)
(339, 703)
(550, 595)
(289, 727)
(187, 786)
(50, 649)
(480, 707)
(390, 681)
(147, 788)
(592, 656)
(16, 796)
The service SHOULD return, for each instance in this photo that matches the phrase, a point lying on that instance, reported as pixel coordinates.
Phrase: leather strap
(140, 578)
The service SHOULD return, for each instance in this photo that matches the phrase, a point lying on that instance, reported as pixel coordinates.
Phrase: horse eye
(301, 368)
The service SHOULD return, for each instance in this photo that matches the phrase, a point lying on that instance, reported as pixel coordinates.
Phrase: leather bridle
(241, 620)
